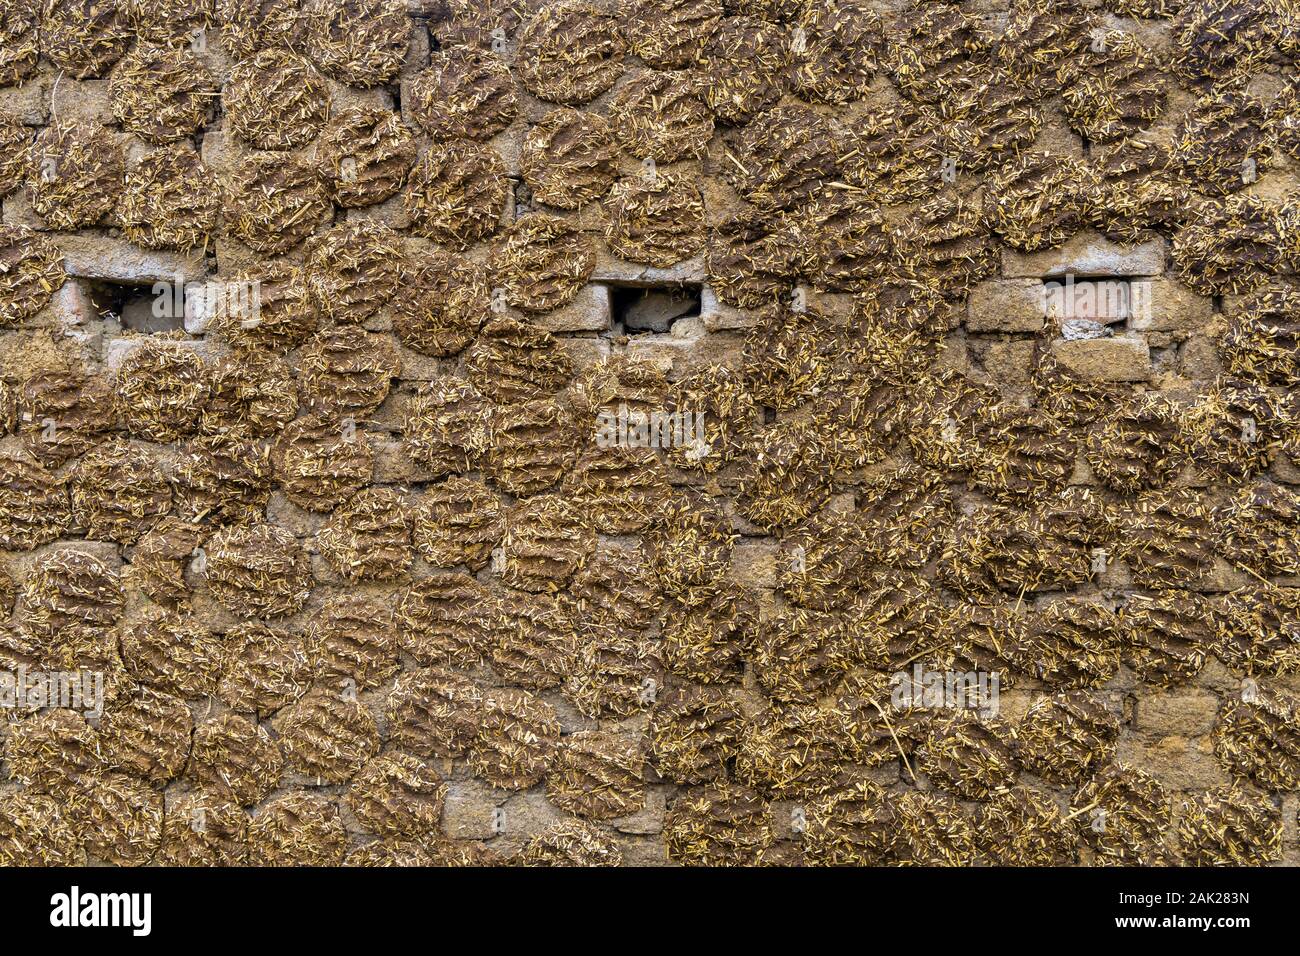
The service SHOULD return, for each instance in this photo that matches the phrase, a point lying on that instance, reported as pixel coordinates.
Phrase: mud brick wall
(312, 314)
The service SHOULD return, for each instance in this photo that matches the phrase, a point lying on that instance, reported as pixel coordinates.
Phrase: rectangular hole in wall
(1087, 307)
(639, 310)
(136, 307)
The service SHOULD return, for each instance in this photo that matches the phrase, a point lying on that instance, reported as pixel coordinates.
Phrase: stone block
(1006, 305)
(96, 256)
(1088, 254)
(1118, 359)
(1189, 712)
(587, 312)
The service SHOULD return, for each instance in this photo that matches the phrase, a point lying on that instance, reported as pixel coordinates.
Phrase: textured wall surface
(978, 328)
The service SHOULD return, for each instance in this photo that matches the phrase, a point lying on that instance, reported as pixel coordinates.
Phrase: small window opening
(1090, 307)
(642, 309)
(138, 307)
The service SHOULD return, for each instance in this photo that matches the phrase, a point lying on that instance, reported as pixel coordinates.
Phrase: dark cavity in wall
(136, 307)
(641, 309)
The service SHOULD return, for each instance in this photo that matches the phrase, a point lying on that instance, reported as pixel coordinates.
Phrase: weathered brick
(1118, 359)
(1186, 712)
(1006, 305)
(1087, 254)
(587, 312)
(1166, 305)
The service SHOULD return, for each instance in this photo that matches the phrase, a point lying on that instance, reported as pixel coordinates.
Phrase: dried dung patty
(84, 37)
(464, 93)
(15, 138)
(347, 372)
(782, 157)
(1256, 628)
(541, 262)
(838, 45)
(544, 541)
(533, 638)
(533, 447)
(327, 734)
(1165, 538)
(1229, 246)
(621, 486)
(1257, 736)
(35, 830)
(1232, 425)
(161, 93)
(823, 562)
(171, 200)
(1263, 335)
(517, 741)
(34, 505)
(693, 732)
(173, 652)
(598, 775)
(932, 50)
(1020, 826)
(941, 430)
(793, 752)
(1218, 40)
(689, 545)
(69, 590)
(571, 843)
(50, 751)
(1040, 35)
(1072, 642)
(297, 829)
(251, 394)
(570, 52)
(456, 193)
(353, 271)
(514, 361)
(1258, 530)
(798, 656)
(788, 479)
(19, 40)
(366, 154)
(233, 754)
(749, 261)
(319, 464)
(724, 824)
(446, 427)
(397, 795)
(204, 828)
(1039, 200)
(358, 42)
(433, 712)
(1116, 88)
(391, 852)
(118, 493)
(258, 570)
(745, 68)
(248, 26)
(893, 619)
(1125, 816)
(661, 116)
(850, 246)
(222, 478)
(658, 221)
(264, 310)
(368, 537)
(1285, 117)
(904, 515)
(264, 668)
(669, 34)
(1067, 737)
(1228, 826)
(852, 826)
(569, 157)
(458, 522)
(147, 735)
(77, 170)
(483, 23)
(445, 300)
(355, 636)
(948, 246)
(933, 830)
(997, 548)
(1137, 194)
(120, 817)
(1027, 455)
(1222, 144)
(613, 672)
(275, 202)
(160, 390)
(899, 152)
(276, 100)
(1137, 444)
(445, 619)
(705, 643)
